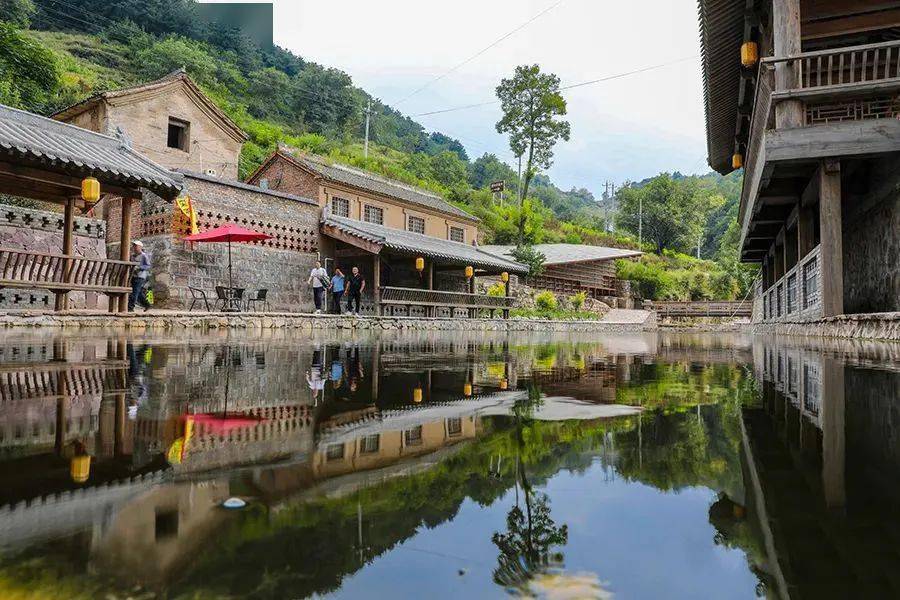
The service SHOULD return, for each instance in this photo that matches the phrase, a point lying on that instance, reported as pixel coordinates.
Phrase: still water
(446, 466)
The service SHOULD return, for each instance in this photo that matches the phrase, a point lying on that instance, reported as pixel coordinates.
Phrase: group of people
(352, 286)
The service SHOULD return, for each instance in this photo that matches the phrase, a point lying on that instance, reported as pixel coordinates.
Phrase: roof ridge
(373, 175)
(37, 119)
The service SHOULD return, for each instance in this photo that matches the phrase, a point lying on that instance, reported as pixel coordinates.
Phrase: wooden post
(831, 254)
(833, 432)
(125, 245)
(805, 231)
(506, 294)
(786, 34)
(429, 280)
(376, 282)
(62, 300)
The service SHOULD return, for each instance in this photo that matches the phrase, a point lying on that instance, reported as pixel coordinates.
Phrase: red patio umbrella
(228, 233)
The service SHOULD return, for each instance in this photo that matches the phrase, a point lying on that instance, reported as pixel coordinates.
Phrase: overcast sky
(625, 129)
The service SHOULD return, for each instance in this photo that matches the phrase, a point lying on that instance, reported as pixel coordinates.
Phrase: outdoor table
(235, 297)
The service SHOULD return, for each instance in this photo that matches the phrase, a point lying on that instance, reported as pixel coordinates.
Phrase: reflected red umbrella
(228, 233)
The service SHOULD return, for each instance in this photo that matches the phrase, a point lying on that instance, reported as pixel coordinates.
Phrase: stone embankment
(176, 321)
(869, 326)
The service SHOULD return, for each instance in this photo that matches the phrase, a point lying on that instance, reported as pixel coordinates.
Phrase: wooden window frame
(380, 212)
(182, 132)
(462, 231)
(335, 200)
(409, 221)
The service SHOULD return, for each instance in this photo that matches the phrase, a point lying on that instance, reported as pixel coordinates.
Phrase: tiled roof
(415, 243)
(246, 186)
(380, 185)
(558, 254)
(64, 148)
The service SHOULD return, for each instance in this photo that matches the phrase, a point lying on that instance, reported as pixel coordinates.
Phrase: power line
(567, 87)
(480, 52)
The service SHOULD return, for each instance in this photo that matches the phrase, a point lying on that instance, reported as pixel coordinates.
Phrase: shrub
(578, 299)
(545, 301)
(497, 290)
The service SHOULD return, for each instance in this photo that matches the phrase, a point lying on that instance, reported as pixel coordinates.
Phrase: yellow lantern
(504, 276)
(749, 53)
(467, 390)
(80, 468)
(420, 264)
(90, 190)
(417, 395)
(737, 160)
(469, 272)
(504, 383)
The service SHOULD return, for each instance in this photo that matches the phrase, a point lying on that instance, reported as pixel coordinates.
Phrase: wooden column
(62, 300)
(125, 244)
(833, 433)
(429, 283)
(779, 261)
(376, 282)
(831, 259)
(805, 231)
(786, 39)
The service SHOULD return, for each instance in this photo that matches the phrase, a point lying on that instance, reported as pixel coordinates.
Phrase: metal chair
(261, 296)
(221, 297)
(237, 298)
(197, 295)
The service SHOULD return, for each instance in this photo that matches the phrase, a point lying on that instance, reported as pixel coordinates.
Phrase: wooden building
(804, 95)
(572, 268)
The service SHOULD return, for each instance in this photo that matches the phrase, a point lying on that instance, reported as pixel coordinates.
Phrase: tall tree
(532, 105)
(662, 210)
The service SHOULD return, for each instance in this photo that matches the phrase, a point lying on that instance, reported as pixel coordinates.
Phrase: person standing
(318, 277)
(337, 290)
(356, 285)
(139, 277)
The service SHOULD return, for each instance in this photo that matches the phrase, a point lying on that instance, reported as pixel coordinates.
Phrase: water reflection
(448, 464)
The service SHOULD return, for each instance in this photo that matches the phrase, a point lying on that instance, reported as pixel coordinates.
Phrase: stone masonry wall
(42, 231)
(280, 265)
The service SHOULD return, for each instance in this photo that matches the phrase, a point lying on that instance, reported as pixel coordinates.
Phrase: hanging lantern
(420, 264)
(80, 468)
(467, 390)
(417, 395)
(504, 277)
(469, 272)
(90, 190)
(737, 160)
(749, 53)
(504, 383)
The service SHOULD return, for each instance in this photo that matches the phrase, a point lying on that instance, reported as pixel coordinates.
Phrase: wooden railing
(849, 66)
(703, 308)
(796, 295)
(435, 298)
(60, 273)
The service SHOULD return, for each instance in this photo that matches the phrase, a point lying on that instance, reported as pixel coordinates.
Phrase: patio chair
(221, 297)
(261, 297)
(198, 295)
(237, 298)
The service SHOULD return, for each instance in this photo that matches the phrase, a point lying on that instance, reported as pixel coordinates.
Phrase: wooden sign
(497, 187)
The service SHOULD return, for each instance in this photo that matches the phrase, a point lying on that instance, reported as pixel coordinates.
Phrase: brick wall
(42, 231)
(281, 265)
(283, 176)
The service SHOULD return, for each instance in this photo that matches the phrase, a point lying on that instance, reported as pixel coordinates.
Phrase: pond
(448, 465)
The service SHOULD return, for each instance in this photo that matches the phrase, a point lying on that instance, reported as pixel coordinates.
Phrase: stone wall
(42, 231)
(280, 265)
(876, 326)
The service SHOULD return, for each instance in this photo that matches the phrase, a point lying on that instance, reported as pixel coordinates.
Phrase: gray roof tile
(557, 254)
(65, 148)
(415, 243)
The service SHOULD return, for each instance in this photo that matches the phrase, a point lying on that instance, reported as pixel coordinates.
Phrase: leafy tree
(17, 12)
(487, 169)
(448, 169)
(325, 99)
(29, 73)
(531, 105)
(175, 52)
(664, 208)
(271, 90)
(530, 256)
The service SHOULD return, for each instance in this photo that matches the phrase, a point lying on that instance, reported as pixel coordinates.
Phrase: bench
(61, 274)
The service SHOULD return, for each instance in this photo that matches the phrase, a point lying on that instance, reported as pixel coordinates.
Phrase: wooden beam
(62, 299)
(850, 138)
(125, 245)
(376, 280)
(831, 246)
(351, 240)
(72, 182)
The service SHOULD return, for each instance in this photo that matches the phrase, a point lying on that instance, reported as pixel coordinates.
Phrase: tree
(271, 93)
(448, 169)
(28, 71)
(531, 105)
(17, 12)
(662, 211)
(325, 99)
(528, 255)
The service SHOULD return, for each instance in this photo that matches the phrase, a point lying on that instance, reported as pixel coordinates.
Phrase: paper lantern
(749, 54)
(467, 390)
(469, 272)
(417, 395)
(80, 468)
(504, 276)
(504, 383)
(420, 264)
(737, 160)
(90, 190)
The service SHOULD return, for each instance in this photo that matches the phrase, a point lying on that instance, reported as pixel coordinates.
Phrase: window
(369, 444)
(340, 207)
(373, 214)
(810, 283)
(179, 134)
(334, 452)
(811, 393)
(415, 224)
(792, 293)
(457, 234)
(454, 427)
(413, 437)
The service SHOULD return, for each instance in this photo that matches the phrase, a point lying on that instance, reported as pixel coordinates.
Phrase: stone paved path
(621, 315)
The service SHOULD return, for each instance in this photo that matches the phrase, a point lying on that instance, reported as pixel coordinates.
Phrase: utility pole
(368, 114)
(699, 241)
(640, 222)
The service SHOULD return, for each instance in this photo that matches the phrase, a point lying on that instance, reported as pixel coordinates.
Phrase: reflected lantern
(420, 264)
(469, 272)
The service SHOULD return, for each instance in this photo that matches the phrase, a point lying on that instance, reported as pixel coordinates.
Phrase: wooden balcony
(850, 99)
(796, 296)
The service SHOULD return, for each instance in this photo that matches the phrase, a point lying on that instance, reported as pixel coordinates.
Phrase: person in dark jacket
(356, 285)
(140, 276)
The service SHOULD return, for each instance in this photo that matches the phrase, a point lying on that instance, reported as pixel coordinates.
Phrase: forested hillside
(56, 52)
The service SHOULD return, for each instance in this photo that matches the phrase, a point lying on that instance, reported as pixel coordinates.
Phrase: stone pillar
(831, 260)
(786, 34)
(833, 433)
